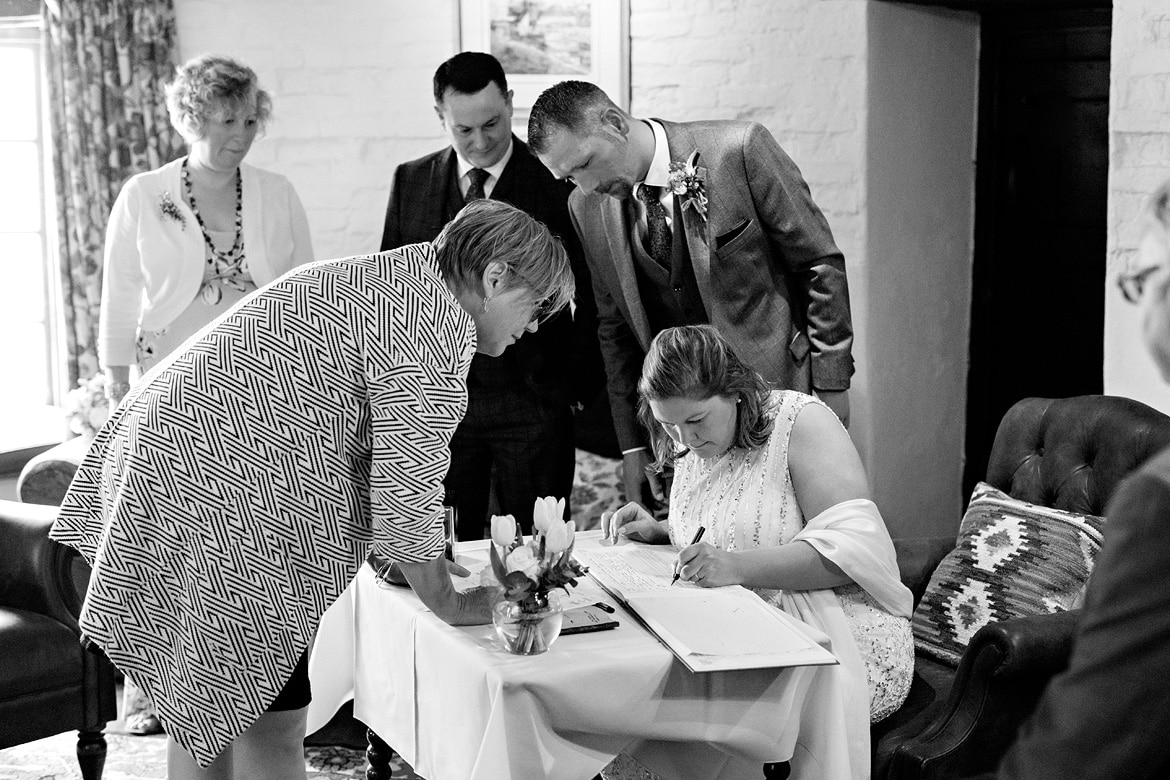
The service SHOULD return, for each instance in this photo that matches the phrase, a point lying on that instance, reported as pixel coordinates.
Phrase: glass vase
(529, 627)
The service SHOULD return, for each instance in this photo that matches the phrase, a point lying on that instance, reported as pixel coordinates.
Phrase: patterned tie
(657, 231)
(478, 176)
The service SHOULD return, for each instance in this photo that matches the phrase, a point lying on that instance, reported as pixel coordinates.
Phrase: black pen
(698, 536)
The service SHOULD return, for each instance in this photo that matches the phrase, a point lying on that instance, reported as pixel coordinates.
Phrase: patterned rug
(145, 758)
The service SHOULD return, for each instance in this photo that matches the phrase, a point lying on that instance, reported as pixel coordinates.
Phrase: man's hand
(637, 477)
(838, 401)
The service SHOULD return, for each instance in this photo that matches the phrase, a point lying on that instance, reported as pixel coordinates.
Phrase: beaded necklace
(234, 256)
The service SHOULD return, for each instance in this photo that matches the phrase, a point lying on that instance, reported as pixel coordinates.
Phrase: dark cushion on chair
(37, 653)
(928, 691)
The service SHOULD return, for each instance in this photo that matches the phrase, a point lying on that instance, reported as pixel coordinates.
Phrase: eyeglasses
(1132, 283)
(541, 311)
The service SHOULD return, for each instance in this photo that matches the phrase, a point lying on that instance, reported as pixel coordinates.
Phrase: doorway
(1038, 309)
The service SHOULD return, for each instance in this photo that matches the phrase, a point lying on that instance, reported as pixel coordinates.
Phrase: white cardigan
(154, 261)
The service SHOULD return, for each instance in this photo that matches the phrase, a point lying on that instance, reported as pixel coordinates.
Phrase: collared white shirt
(657, 175)
(463, 167)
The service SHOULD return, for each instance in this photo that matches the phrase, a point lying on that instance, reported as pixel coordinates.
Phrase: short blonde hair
(487, 231)
(208, 86)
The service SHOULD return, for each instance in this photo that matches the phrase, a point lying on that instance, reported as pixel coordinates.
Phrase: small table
(456, 706)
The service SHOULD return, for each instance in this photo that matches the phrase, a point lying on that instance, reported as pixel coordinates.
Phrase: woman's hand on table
(633, 522)
(708, 566)
(475, 608)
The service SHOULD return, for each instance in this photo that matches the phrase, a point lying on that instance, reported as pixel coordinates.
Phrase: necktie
(657, 231)
(478, 176)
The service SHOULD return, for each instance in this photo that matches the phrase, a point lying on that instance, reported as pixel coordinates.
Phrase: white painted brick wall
(796, 66)
(1139, 160)
(351, 89)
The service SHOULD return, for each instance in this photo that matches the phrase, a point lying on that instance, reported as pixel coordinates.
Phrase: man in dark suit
(697, 222)
(519, 422)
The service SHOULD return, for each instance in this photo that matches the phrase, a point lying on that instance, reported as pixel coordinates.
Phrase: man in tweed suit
(742, 247)
(519, 422)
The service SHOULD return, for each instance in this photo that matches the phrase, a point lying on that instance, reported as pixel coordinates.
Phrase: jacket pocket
(721, 241)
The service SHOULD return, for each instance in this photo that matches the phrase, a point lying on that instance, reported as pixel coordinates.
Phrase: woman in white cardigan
(187, 241)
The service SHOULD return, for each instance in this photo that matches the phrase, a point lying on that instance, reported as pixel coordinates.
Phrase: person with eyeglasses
(529, 408)
(1108, 714)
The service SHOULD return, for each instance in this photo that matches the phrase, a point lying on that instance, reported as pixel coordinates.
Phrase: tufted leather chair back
(1070, 453)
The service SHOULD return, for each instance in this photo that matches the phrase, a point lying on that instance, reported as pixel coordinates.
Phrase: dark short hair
(487, 231)
(467, 73)
(697, 363)
(208, 85)
(566, 105)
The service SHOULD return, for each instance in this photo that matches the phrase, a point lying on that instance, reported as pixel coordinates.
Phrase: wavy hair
(209, 86)
(695, 362)
(487, 231)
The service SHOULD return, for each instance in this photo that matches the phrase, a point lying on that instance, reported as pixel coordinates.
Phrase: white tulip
(503, 530)
(556, 539)
(547, 511)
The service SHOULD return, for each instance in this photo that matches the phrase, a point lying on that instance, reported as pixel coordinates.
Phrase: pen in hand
(698, 536)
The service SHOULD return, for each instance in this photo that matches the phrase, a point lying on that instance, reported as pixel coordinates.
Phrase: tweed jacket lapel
(447, 198)
(682, 147)
(617, 231)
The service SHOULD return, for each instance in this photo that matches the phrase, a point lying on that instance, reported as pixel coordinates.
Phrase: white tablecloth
(456, 706)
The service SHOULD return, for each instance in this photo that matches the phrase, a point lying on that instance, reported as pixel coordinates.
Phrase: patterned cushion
(597, 487)
(1012, 559)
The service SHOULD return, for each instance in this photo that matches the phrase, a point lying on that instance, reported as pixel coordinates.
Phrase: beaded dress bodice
(746, 500)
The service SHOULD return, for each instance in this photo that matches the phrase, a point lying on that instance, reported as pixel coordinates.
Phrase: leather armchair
(1070, 454)
(49, 683)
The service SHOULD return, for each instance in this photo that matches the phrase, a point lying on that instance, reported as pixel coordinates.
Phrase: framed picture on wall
(542, 42)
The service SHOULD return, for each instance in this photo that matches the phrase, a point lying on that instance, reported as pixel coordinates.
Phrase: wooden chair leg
(777, 770)
(378, 755)
(91, 753)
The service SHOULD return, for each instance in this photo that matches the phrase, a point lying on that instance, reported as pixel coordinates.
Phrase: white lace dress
(746, 500)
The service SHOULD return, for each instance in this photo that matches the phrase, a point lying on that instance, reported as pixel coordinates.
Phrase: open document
(708, 629)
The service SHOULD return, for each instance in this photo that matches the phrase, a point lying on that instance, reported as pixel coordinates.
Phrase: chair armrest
(36, 573)
(999, 680)
(918, 558)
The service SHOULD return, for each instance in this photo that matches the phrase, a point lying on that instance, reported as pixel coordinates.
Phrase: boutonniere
(687, 182)
(168, 209)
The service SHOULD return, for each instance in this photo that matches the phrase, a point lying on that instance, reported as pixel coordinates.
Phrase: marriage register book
(708, 629)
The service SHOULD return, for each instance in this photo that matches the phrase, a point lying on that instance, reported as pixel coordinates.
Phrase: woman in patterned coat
(234, 493)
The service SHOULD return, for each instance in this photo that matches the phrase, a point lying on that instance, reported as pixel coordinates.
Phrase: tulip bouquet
(529, 570)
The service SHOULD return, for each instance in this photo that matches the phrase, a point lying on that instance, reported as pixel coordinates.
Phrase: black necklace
(233, 256)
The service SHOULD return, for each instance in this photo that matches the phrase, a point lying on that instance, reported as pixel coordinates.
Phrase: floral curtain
(107, 62)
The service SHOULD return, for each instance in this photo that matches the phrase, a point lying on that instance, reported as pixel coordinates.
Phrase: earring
(485, 305)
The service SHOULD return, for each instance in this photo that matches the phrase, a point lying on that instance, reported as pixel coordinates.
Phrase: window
(26, 230)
